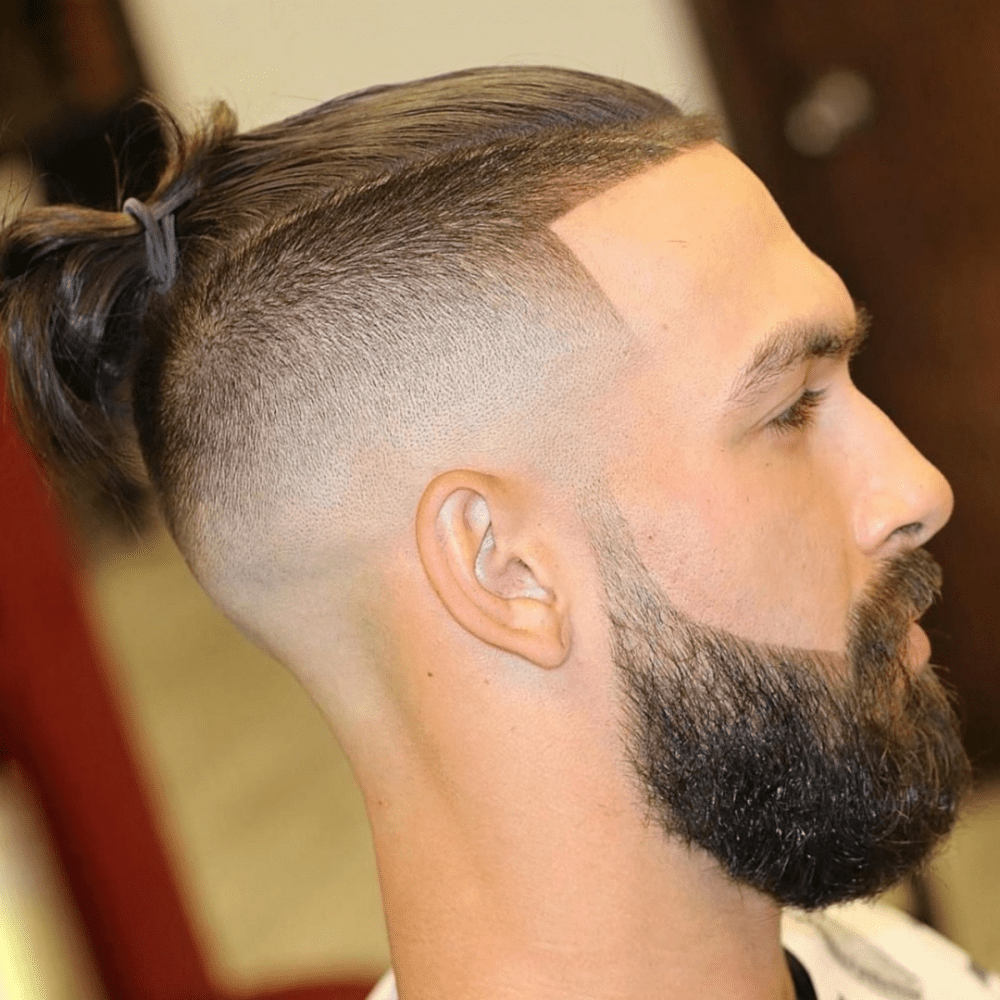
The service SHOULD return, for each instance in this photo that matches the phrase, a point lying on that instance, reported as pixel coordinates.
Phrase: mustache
(904, 588)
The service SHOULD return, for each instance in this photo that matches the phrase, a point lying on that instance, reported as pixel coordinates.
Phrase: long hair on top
(375, 271)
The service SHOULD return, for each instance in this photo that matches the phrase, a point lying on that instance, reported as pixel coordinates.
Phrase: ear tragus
(512, 578)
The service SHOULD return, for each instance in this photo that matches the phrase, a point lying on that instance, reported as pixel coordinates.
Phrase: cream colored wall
(271, 58)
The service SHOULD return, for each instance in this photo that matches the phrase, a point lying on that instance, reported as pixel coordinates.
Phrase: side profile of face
(761, 556)
(814, 778)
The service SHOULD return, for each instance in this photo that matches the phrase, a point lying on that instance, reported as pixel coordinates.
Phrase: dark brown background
(69, 80)
(906, 207)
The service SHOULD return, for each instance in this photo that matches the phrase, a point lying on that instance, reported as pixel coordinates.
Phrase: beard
(812, 777)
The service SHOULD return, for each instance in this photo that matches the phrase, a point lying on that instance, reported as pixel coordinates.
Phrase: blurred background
(175, 819)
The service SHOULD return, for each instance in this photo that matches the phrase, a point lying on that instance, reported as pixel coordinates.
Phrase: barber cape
(863, 951)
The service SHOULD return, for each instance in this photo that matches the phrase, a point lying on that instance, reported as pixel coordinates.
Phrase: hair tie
(161, 245)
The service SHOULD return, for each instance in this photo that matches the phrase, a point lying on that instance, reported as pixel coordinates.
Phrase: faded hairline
(365, 294)
(321, 365)
(327, 500)
(328, 488)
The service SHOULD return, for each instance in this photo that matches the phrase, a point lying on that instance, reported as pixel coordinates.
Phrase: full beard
(811, 777)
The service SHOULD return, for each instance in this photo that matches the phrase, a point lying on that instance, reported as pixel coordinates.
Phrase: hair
(370, 277)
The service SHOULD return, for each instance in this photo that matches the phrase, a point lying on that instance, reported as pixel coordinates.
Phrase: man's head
(386, 260)
(419, 336)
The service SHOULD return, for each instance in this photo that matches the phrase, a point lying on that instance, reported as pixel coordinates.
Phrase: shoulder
(869, 952)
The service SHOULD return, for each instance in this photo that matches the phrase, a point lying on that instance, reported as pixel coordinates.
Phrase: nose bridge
(902, 499)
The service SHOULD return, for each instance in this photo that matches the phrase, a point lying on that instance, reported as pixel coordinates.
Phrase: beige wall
(271, 58)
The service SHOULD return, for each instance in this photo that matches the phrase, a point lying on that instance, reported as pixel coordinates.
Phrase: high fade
(355, 284)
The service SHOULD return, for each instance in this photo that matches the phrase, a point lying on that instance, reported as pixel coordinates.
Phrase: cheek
(758, 551)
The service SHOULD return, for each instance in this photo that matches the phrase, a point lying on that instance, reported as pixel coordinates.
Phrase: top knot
(161, 241)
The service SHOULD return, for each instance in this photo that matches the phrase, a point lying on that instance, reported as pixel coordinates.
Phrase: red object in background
(98, 71)
(59, 720)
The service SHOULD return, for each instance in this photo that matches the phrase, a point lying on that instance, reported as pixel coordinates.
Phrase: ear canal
(513, 578)
(537, 591)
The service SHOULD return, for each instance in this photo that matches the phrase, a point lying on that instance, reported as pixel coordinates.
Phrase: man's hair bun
(76, 285)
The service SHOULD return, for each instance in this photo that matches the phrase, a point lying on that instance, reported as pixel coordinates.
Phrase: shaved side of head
(365, 293)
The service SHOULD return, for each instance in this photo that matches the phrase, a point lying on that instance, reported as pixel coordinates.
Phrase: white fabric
(869, 952)
(385, 989)
(864, 952)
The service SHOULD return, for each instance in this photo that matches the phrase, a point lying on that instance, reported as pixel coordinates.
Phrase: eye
(800, 414)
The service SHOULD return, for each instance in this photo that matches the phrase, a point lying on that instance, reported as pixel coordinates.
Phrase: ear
(493, 579)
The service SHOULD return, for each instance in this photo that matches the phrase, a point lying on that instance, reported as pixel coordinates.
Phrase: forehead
(699, 261)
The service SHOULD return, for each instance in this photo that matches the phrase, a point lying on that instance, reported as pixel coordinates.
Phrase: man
(507, 410)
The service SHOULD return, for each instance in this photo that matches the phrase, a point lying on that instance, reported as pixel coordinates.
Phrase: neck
(515, 859)
(559, 905)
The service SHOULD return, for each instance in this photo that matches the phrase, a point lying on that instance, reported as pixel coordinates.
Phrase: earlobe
(480, 567)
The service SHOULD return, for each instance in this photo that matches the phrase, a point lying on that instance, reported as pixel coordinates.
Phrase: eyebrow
(791, 345)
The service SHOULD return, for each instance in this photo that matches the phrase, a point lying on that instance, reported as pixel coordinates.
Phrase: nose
(902, 499)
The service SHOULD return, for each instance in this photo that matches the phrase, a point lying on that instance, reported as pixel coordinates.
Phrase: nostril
(912, 530)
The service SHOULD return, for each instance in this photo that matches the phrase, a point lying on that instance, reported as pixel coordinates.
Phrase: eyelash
(800, 413)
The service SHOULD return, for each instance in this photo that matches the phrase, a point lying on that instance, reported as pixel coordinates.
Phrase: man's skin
(516, 853)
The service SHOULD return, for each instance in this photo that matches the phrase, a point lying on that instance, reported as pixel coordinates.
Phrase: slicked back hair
(371, 277)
